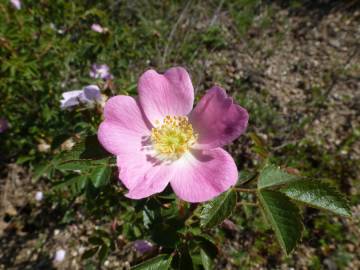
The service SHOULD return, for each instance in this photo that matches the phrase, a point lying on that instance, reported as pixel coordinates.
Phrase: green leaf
(283, 216)
(40, 171)
(74, 184)
(218, 209)
(161, 262)
(89, 253)
(318, 195)
(259, 145)
(208, 251)
(186, 262)
(103, 253)
(207, 245)
(271, 176)
(88, 148)
(245, 177)
(100, 176)
(24, 159)
(73, 165)
(206, 260)
(95, 240)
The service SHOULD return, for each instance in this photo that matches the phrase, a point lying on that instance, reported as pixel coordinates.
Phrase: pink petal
(217, 120)
(97, 28)
(203, 175)
(16, 3)
(169, 94)
(124, 127)
(149, 179)
(125, 133)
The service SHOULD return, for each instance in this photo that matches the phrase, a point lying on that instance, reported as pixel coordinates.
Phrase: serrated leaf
(245, 177)
(75, 184)
(318, 195)
(73, 165)
(217, 210)
(283, 216)
(161, 262)
(100, 176)
(88, 148)
(271, 176)
(40, 171)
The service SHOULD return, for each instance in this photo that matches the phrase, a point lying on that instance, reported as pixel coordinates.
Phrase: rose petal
(124, 127)
(150, 179)
(217, 120)
(97, 28)
(16, 3)
(169, 94)
(203, 174)
(125, 133)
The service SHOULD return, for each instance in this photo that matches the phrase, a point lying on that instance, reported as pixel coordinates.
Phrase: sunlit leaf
(318, 195)
(283, 216)
(271, 176)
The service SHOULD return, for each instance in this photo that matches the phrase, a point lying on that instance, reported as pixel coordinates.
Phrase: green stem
(248, 190)
(246, 204)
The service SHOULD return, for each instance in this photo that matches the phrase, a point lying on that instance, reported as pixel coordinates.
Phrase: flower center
(173, 137)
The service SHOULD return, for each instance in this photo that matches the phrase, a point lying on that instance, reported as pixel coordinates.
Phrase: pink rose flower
(158, 139)
(16, 3)
(98, 28)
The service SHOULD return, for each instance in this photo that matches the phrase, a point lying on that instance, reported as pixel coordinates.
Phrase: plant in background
(158, 139)
(87, 96)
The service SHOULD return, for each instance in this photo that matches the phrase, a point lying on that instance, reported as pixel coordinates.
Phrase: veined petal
(217, 120)
(203, 174)
(169, 94)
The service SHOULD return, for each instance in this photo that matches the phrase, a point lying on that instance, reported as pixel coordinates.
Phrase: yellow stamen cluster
(173, 137)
